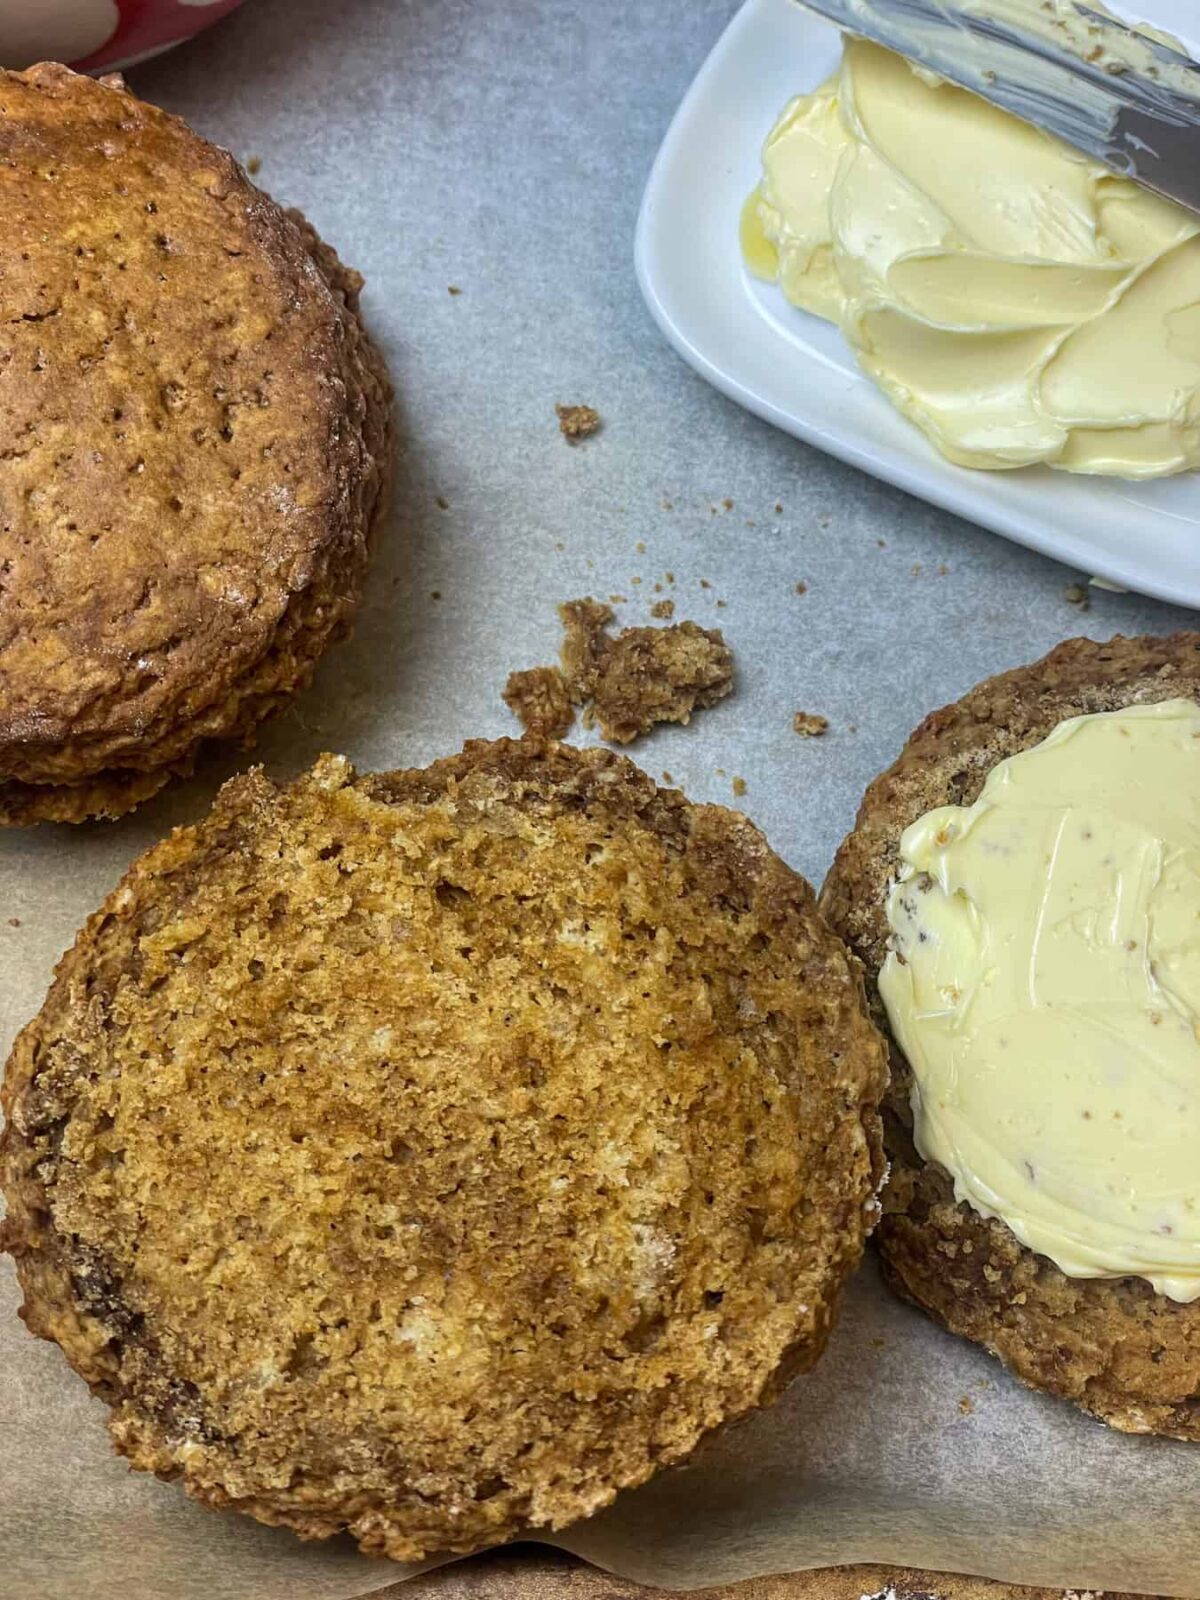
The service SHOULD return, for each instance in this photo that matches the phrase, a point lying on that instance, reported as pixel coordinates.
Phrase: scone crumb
(539, 700)
(801, 587)
(739, 787)
(966, 1405)
(1076, 595)
(664, 609)
(644, 675)
(809, 725)
(577, 422)
(453, 288)
(253, 165)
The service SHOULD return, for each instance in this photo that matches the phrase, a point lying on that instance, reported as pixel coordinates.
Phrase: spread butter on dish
(1044, 985)
(1015, 299)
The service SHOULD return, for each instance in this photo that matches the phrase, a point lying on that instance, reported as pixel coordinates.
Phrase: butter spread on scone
(1015, 299)
(1044, 985)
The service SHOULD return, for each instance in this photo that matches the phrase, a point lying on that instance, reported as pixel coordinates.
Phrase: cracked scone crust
(1123, 1352)
(433, 1154)
(194, 441)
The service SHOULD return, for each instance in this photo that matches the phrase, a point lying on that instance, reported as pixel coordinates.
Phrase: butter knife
(1128, 99)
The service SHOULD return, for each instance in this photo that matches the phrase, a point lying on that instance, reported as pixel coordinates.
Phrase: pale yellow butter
(1015, 299)
(1044, 985)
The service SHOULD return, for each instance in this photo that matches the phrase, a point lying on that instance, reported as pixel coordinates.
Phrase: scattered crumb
(442, 503)
(778, 508)
(749, 523)
(14, 922)
(943, 570)
(253, 165)
(852, 727)
(721, 604)
(618, 599)
(802, 588)
(640, 547)
(664, 609)
(704, 583)
(577, 422)
(1076, 595)
(882, 543)
(915, 570)
(658, 588)
(667, 778)
(809, 725)
(559, 545)
(669, 576)
(668, 505)
(720, 772)
(727, 503)
(966, 1405)
(435, 594)
(635, 581)
(539, 700)
(823, 522)
(452, 288)
(644, 675)
(878, 1344)
(739, 787)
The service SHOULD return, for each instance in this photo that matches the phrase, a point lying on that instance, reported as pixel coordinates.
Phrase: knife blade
(1129, 99)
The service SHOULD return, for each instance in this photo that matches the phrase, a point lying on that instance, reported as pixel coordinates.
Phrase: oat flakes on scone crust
(433, 1154)
(194, 438)
(1123, 1352)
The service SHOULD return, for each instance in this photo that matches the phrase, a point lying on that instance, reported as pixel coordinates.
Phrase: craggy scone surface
(193, 436)
(435, 1153)
(1116, 1347)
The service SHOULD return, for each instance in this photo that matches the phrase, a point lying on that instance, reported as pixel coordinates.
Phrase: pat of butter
(1044, 986)
(1016, 300)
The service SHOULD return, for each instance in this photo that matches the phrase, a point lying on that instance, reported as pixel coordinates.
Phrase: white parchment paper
(501, 146)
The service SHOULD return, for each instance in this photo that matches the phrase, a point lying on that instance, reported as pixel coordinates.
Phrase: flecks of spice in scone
(577, 422)
(539, 700)
(644, 675)
(809, 725)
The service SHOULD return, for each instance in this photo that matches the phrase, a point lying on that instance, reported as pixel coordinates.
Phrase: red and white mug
(100, 35)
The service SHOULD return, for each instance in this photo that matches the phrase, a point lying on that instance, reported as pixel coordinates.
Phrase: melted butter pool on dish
(1016, 300)
(1044, 986)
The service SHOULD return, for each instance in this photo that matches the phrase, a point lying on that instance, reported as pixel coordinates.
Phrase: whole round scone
(1126, 1353)
(193, 432)
(433, 1154)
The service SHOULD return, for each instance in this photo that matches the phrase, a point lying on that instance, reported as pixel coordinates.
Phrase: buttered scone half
(1023, 886)
(432, 1154)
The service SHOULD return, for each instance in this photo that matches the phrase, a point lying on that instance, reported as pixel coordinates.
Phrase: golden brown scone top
(433, 1154)
(1114, 1346)
(182, 419)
